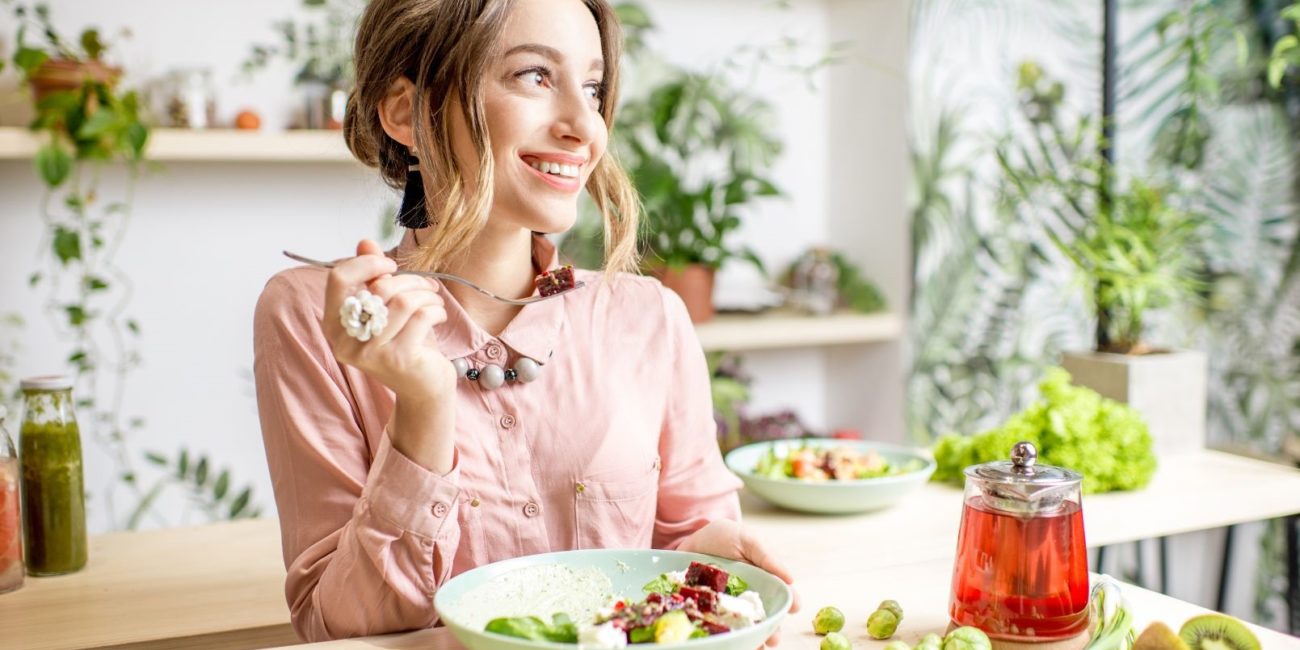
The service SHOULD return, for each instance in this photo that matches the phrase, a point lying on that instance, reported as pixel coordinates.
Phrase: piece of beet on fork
(554, 281)
(705, 575)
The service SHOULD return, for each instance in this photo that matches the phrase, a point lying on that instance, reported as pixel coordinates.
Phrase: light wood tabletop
(921, 589)
(222, 586)
(219, 586)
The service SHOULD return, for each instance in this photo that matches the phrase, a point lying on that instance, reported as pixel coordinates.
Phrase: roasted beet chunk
(705, 599)
(654, 597)
(555, 281)
(705, 575)
(714, 627)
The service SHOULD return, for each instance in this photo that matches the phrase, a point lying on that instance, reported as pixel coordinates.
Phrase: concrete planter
(1167, 388)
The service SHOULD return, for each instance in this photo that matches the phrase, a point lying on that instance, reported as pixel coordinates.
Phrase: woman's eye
(535, 76)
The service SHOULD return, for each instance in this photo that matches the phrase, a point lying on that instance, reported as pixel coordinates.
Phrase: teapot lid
(1021, 484)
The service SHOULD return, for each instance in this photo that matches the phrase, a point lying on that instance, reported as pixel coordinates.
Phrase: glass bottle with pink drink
(12, 570)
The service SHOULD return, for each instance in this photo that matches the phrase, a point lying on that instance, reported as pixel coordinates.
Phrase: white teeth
(557, 169)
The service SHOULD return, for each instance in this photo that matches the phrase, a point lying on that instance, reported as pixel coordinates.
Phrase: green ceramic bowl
(628, 570)
(831, 497)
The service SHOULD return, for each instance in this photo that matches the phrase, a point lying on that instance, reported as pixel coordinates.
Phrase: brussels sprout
(896, 645)
(893, 606)
(882, 623)
(828, 619)
(967, 638)
(836, 641)
(930, 641)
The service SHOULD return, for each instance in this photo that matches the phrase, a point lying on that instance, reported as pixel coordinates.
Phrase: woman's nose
(576, 120)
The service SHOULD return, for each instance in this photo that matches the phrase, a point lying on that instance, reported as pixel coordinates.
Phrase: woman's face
(542, 103)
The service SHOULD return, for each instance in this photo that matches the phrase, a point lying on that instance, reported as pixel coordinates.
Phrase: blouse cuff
(409, 496)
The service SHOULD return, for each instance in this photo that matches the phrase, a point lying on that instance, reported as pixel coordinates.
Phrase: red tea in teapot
(1018, 576)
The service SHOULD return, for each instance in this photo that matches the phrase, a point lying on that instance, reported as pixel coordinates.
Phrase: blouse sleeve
(366, 542)
(695, 486)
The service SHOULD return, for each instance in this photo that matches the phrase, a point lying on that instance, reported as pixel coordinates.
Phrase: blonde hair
(444, 48)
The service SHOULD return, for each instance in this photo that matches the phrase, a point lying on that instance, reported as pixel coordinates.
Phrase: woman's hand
(398, 357)
(726, 538)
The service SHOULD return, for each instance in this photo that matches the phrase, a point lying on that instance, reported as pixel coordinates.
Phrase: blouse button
(507, 421)
(493, 350)
(440, 509)
(474, 503)
(532, 510)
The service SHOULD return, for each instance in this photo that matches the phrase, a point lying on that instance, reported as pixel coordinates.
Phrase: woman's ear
(396, 111)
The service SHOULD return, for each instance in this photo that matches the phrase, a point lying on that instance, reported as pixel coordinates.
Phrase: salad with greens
(699, 602)
(828, 463)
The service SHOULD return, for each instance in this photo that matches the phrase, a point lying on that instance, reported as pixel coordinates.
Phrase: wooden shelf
(787, 330)
(212, 145)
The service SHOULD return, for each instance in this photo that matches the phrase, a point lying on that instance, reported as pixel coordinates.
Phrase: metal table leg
(1225, 565)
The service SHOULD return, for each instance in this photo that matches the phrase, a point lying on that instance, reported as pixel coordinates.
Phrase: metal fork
(447, 276)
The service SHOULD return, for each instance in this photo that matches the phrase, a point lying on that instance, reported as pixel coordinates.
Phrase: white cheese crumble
(604, 635)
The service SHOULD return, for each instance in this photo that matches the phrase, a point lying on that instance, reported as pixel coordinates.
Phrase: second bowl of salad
(830, 476)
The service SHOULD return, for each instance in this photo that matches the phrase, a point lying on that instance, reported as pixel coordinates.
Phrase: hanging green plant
(86, 123)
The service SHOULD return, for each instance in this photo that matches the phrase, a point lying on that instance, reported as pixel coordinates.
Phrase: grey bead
(492, 376)
(528, 369)
(461, 366)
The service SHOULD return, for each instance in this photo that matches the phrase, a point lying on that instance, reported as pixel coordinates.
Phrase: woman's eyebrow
(550, 53)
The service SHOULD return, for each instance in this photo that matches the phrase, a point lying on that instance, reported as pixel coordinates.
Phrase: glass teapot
(1021, 572)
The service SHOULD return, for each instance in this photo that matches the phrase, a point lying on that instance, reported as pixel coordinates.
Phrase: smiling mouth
(559, 170)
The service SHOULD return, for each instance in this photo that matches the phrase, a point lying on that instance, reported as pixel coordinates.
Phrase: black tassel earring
(413, 214)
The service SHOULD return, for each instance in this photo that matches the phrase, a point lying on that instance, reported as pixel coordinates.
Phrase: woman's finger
(758, 556)
(400, 309)
(417, 327)
(345, 280)
(774, 640)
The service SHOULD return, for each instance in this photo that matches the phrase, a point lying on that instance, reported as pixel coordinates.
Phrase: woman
(462, 430)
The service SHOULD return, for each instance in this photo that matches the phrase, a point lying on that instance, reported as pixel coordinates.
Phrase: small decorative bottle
(12, 570)
(54, 499)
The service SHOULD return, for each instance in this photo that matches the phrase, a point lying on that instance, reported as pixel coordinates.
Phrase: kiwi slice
(1158, 636)
(1217, 632)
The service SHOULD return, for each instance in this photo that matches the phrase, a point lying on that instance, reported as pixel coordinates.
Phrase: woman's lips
(562, 183)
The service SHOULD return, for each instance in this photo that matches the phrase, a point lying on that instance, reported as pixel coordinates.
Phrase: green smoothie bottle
(54, 499)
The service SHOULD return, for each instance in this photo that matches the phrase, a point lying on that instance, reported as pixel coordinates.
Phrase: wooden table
(222, 586)
(211, 587)
(1195, 491)
(921, 589)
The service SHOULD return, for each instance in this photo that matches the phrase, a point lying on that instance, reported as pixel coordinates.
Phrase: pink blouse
(613, 446)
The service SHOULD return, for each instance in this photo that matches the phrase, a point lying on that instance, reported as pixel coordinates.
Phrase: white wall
(205, 237)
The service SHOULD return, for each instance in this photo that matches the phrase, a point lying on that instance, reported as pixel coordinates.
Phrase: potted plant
(1134, 249)
(1134, 258)
(697, 149)
(87, 122)
(321, 51)
(60, 65)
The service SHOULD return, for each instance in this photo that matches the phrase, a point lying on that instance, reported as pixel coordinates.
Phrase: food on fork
(555, 280)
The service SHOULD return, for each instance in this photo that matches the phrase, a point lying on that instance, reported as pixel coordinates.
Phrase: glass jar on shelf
(189, 99)
(12, 569)
(53, 489)
(815, 283)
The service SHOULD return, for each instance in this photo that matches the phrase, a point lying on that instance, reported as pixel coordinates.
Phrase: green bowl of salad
(613, 598)
(830, 476)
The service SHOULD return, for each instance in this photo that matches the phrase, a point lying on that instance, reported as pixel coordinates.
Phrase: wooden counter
(921, 589)
(212, 587)
(222, 586)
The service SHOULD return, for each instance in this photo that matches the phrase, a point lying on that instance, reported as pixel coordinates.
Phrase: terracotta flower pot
(63, 74)
(694, 284)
